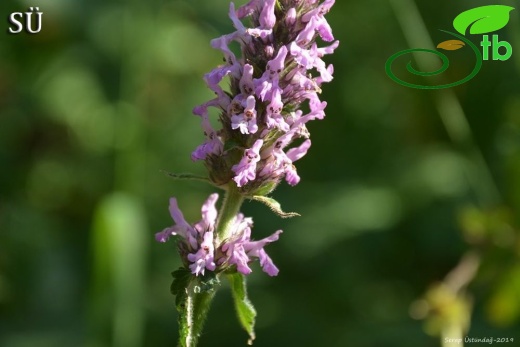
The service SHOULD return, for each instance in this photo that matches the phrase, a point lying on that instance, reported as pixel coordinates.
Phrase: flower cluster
(279, 71)
(261, 112)
(201, 250)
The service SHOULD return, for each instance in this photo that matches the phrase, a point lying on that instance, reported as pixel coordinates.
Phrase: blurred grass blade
(119, 252)
(448, 106)
(503, 308)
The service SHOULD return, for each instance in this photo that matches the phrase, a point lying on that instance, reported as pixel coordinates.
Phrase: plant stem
(230, 207)
(197, 308)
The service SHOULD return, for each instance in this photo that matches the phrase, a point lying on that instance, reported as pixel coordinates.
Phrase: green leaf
(483, 19)
(274, 206)
(181, 280)
(193, 297)
(246, 312)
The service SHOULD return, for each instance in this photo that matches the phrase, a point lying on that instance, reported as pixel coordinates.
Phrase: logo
(480, 21)
(18, 24)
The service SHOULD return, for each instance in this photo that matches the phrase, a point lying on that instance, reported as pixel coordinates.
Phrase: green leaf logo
(482, 20)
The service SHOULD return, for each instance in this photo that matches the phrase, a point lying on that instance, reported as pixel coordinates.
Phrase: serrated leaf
(483, 19)
(451, 45)
(246, 312)
(181, 280)
(274, 206)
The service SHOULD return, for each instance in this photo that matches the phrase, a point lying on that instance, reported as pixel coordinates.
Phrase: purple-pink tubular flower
(246, 120)
(200, 249)
(203, 258)
(240, 250)
(280, 68)
(245, 170)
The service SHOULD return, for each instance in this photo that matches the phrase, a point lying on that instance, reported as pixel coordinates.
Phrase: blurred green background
(399, 185)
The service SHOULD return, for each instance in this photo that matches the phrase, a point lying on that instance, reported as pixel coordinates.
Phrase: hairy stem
(230, 207)
(197, 307)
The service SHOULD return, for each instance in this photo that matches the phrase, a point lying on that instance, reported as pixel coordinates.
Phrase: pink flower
(240, 251)
(201, 246)
(246, 121)
(246, 170)
(197, 238)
